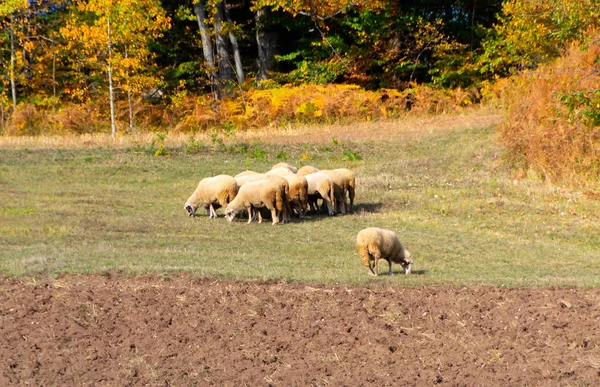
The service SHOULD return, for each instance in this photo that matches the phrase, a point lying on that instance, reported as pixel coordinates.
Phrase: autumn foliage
(553, 122)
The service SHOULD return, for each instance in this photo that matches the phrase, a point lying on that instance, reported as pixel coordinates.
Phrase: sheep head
(407, 262)
(190, 210)
(230, 214)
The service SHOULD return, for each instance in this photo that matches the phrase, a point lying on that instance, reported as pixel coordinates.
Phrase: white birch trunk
(13, 83)
(111, 95)
(207, 47)
(239, 71)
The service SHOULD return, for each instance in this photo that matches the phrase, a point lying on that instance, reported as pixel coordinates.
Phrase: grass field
(442, 187)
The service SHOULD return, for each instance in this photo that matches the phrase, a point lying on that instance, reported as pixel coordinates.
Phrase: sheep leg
(343, 206)
(260, 218)
(330, 207)
(376, 258)
(249, 214)
(390, 265)
(213, 213)
(371, 271)
(274, 216)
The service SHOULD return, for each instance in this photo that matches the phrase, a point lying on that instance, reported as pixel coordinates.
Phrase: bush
(28, 120)
(254, 108)
(552, 123)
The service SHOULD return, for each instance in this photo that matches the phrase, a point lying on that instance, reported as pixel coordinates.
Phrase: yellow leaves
(8, 7)
(133, 23)
(318, 10)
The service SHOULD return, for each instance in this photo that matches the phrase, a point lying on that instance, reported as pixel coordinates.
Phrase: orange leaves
(318, 10)
(545, 132)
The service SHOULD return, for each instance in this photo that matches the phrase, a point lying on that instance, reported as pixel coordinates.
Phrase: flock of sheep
(286, 191)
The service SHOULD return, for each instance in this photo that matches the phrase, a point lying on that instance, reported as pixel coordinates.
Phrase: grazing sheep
(286, 211)
(247, 173)
(307, 170)
(248, 177)
(375, 243)
(347, 178)
(251, 176)
(320, 186)
(266, 193)
(279, 172)
(340, 187)
(298, 196)
(212, 193)
(298, 193)
(351, 185)
(286, 166)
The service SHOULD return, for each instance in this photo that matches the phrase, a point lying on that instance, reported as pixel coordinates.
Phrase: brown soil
(119, 330)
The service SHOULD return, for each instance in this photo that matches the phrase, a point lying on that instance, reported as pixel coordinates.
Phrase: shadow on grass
(367, 207)
(413, 272)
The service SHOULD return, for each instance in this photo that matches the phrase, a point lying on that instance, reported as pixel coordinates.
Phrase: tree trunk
(111, 92)
(1, 119)
(13, 83)
(239, 71)
(223, 58)
(129, 104)
(53, 70)
(266, 42)
(207, 48)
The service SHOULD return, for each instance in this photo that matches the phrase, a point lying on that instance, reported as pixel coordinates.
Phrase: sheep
(286, 210)
(212, 193)
(346, 178)
(254, 195)
(298, 192)
(340, 186)
(279, 172)
(251, 176)
(307, 170)
(375, 243)
(320, 186)
(349, 175)
(286, 166)
(245, 177)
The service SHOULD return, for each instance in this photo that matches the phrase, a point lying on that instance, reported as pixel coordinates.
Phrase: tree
(532, 32)
(225, 42)
(113, 37)
(11, 11)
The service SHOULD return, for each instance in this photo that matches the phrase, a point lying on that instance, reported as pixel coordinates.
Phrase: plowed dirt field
(181, 331)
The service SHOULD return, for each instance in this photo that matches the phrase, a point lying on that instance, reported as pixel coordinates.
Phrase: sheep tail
(279, 200)
(332, 196)
(363, 250)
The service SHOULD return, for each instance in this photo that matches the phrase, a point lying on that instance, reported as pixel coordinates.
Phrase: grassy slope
(445, 192)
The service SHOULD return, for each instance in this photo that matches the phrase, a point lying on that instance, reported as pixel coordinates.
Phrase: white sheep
(346, 178)
(248, 177)
(340, 187)
(279, 172)
(307, 170)
(286, 166)
(266, 193)
(375, 243)
(212, 193)
(351, 178)
(286, 211)
(298, 192)
(320, 186)
(251, 176)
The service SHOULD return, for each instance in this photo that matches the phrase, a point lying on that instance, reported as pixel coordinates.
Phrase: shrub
(28, 120)
(552, 121)
(84, 118)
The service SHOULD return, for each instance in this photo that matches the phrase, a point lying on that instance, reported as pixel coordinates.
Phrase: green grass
(446, 193)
